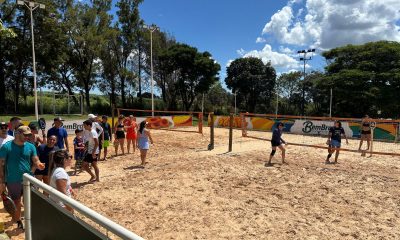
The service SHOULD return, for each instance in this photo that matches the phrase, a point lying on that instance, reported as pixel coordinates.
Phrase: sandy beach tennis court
(187, 192)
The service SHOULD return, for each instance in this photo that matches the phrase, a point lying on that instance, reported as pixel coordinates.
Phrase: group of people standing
(24, 150)
(335, 135)
(136, 136)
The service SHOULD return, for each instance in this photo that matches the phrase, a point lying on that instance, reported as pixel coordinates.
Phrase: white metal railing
(54, 193)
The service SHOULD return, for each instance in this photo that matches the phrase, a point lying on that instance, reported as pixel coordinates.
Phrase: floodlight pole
(151, 29)
(304, 59)
(32, 6)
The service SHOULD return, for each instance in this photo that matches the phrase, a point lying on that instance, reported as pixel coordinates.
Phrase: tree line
(81, 46)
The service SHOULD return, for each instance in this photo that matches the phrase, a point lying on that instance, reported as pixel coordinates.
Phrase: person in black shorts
(119, 135)
(334, 140)
(92, 139)
(365, 132)
(277, 141)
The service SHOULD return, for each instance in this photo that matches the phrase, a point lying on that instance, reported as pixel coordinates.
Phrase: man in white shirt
(4, 137)
(99, 129)
(92, 140)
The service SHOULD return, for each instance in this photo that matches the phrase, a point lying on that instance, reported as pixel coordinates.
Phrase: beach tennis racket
(8, 203)
(42, 123)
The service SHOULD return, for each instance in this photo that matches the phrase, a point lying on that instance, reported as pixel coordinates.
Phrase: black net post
(211, 124)
(230, 131)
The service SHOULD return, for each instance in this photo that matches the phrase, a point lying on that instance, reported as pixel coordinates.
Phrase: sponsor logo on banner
(313, 127)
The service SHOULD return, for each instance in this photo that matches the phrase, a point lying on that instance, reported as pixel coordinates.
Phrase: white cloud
(260, 40)
(332, 23)
(278, 60)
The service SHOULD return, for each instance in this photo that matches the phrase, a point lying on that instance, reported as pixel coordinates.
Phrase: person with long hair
(119, 135)
(142, 141)
(277, 142)
(131, 133)
(59, 178)
(334, 140)
(365, 132)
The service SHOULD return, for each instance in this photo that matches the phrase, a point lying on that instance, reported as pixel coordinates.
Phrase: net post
(230, 131)
(372, 138)
(200, 124)
(211, 124)
(243, 122)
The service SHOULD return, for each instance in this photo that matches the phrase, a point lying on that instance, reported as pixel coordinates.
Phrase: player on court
(365, 132)
(334, 141)
(277, 141)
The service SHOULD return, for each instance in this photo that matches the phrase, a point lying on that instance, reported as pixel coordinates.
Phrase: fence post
(200, 124)
(211, 124)
(243, 121)
(230, 131)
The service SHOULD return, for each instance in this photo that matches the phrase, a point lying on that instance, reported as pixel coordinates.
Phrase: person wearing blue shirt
(277, 141)
(15, 160)
(60, 132)
(334, 140)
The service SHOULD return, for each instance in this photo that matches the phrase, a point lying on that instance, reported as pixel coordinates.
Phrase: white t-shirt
(4, 140)
(97, 126)
(58, 174)
(89, 137)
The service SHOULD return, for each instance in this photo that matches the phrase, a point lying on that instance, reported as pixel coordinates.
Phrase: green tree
(88, 28)
(366, 76)
(253, 81)
(194, 72)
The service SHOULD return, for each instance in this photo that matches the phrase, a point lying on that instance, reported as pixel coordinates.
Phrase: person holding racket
(16, 157)
(131, 132)
(277, 141)
(334, 141)
(91, 157)
(142, 141)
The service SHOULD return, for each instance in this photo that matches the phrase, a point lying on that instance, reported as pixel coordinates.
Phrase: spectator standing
(16, 157)
(107, 133)
(4, 137)
(60, 132)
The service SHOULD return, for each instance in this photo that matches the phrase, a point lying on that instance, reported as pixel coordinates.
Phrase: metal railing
(54, 193)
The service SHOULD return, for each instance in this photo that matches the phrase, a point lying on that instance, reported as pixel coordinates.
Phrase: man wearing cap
(60, 132)
(4, 137)
(15, 122)
(16, 157)
(99, 129)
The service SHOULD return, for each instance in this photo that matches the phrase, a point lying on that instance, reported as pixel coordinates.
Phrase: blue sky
(273, 30)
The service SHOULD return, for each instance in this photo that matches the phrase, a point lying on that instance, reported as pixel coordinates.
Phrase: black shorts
(100, 144)
(275, 144)
(366, 132)
(89, 159)
(120, 134)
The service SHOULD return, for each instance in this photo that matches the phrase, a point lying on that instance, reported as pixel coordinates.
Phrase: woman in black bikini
(119, 135)
(365, 131)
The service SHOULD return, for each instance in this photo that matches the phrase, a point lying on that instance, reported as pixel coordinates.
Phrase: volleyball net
(167, 120)
(313, 132)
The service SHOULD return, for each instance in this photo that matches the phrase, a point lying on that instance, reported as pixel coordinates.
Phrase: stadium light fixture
(151, 29)
(304, 59)
(32, 6)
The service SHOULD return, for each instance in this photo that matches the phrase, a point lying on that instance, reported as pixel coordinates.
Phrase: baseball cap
(24, 130)
(90, 116)
(58, 119)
